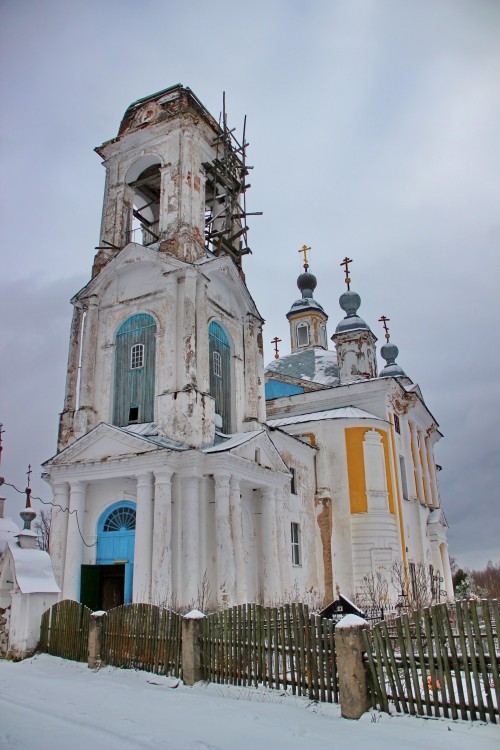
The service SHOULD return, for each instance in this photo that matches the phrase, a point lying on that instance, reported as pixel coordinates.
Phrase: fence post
(353, 679)
(95, 639)
(192, 668)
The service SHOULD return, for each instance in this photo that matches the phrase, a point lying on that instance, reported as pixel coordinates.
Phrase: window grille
(295, 536)
(217, 361)
(137, 356)
(293, 481)
(120, 519)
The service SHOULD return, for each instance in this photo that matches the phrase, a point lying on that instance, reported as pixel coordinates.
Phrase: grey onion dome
(389, 352)
(307, 283)
(350, 302)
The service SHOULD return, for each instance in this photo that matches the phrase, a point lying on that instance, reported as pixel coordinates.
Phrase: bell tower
(167, 273)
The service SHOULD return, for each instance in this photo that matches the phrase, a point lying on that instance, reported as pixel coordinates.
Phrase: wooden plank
(284, 644)
(391, 666)
(448, 686)
(314, 657)
(368, 646)
(320, 647)
(277, 649)
(471, 650)
(490, 639)
(307, 651)
(432, 660)
(417, 696)
(380, 668)
(456, 666)
(465, 660)
(297, 648)
(333, 651)
(290, 648)
(482, 662)
(267, 641)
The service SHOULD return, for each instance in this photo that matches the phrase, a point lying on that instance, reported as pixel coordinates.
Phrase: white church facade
(187, 473)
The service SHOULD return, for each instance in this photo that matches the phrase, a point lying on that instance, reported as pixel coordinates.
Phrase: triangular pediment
(103, 443)
(252, 446)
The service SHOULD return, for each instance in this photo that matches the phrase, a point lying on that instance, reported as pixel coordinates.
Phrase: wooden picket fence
(64, 630)
(135, 636)
(440, 661)
(142, 636)
(281, 647)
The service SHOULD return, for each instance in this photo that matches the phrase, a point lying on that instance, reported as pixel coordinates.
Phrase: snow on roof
(149, 431)
(345, 412)
(33, 570)
(237, 439)
(317, 365)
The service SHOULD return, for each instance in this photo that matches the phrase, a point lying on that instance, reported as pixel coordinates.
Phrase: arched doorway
(108, 583)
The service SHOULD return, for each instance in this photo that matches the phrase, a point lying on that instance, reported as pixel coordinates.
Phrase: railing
(143, 235)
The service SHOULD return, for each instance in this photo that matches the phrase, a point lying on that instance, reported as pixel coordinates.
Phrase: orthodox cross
(304, 249)
(2, 432)
(28, 489)
(276, 341)
(345, 263)
(384, 320)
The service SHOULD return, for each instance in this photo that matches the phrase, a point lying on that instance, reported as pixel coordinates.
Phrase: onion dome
(350, 302)
(306, 283)
(389, 352)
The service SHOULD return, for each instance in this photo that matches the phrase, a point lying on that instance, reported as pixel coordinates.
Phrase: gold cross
(304, 249)
(384, 320)
(276, 341)
(345, 263)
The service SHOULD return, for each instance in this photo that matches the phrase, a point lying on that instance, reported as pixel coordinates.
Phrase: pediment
(256, 447)
(103, 443)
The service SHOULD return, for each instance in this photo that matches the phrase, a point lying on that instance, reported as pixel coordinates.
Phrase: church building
(186, 473)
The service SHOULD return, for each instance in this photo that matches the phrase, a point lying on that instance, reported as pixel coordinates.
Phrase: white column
(269, 545)
(225, 551)
(238, 541)
(190, 491)
(448, 579)
(59, 530)
(431, 465)
(89, 347)
(425, 468)
(74, 541)
(73, 359)
(143, 539)
(416, 463)
(161, 586)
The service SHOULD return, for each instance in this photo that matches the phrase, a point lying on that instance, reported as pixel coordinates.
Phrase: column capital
(78, 485)
(163, 476)
(235, 482)
(145, 480)
(222, 480)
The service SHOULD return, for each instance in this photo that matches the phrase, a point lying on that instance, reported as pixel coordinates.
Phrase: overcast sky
(374, 131)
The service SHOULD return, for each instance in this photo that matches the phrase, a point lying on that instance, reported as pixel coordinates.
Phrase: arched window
(302, 334)
(134, 383)
(220, 372)
(322, 336)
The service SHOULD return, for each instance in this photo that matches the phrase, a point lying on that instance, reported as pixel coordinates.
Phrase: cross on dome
(345, 263)
(384, 320)
(276, 341)
(304, 249)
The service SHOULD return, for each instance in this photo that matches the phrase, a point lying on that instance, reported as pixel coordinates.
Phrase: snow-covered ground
(50, 703)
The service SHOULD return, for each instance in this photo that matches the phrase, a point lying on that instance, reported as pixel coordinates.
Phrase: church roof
(237, 439)
(345, 412)
(8, 530)
(316, 365)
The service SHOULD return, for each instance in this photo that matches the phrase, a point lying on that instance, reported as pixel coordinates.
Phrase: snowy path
(46, 702)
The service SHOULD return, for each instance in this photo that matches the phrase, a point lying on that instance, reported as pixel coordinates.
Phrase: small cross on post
(304, 249)
(2, 432)
(28, 488)
(276, 341)
(384, 320)
(345, 263)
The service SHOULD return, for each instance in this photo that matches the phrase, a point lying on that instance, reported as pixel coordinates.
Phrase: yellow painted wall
(354, 437)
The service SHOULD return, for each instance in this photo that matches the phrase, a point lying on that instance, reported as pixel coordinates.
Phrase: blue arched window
(134, 384)
(220, 372)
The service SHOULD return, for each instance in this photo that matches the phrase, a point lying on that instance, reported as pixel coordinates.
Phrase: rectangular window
(397, 426)
(404, 483)
(217, 360)
(303, 334)
(413, 580)
(133, 415)
(293, 482)
(296, 553)
(137, 356)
